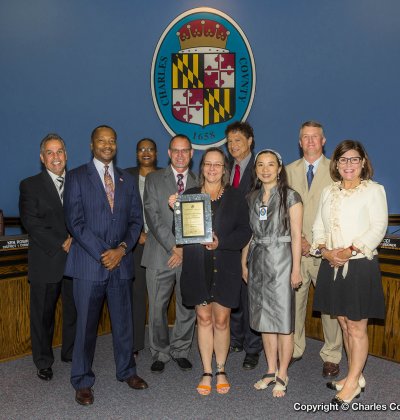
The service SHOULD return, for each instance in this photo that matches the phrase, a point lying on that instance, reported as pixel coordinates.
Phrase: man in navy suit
(104, 215)
(240, 143)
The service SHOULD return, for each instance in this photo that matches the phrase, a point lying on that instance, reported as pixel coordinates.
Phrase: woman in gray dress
(271, 265)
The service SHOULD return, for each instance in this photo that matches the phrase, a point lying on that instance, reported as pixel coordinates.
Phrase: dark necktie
(310, 175)
(60, 180)
(179, 183)
(236, 177)
(109, 187)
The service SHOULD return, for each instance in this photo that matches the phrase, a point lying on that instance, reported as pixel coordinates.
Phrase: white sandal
(261, 384)
(280, 385)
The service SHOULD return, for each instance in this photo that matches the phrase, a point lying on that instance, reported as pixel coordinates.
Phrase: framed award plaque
(193, 221)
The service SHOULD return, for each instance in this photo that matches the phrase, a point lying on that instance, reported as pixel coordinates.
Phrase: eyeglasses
(216, 165)
(354, 160)
(145, 149)
(183, 151)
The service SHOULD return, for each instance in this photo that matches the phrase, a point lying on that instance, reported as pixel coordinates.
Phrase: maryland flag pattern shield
(203, 87)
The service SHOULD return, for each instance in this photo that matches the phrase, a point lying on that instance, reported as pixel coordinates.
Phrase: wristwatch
(353, 251)
(124, 246)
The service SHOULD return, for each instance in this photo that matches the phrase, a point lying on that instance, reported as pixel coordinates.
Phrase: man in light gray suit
(308, 176)
(163, 259)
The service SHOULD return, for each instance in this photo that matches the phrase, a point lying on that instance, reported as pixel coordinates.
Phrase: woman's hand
(172, 200)
(295, 279)
(142, 238)
(335, 257)
(245, 273)
(212, 245)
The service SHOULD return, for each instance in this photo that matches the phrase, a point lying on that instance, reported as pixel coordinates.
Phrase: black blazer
(233, 231)
(41, 213)
(135, 172)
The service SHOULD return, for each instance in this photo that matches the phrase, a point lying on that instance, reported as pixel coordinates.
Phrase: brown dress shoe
(84, 396)
(330, 370)
(136, 382)
(294, 360)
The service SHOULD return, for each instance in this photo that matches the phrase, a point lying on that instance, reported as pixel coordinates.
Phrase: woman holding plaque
(350, 223)
(211, 272)
(271, 265)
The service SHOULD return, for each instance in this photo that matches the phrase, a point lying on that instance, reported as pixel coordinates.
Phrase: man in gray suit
(163, 259)
(309, 176)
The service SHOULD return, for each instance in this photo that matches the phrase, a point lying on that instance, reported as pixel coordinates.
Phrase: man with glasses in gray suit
(163, 259)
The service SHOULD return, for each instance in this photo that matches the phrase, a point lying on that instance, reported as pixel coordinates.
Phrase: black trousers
(43, 301)
(139, 293)
(241, 333)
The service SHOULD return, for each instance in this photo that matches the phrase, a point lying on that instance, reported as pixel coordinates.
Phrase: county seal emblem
(202, 76)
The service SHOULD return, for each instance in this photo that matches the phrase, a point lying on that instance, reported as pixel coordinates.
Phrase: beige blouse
(357, 217)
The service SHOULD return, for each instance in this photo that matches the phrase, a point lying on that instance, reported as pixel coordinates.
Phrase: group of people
(276, 230)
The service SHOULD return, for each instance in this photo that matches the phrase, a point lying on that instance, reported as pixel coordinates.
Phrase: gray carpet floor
(172, 394)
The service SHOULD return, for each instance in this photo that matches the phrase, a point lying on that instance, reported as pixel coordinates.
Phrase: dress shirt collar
(315, 164)
(185, 175)
(54, 177)
(243, 164)
(100, 169)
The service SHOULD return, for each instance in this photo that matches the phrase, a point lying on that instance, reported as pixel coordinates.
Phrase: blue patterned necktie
(310, 175)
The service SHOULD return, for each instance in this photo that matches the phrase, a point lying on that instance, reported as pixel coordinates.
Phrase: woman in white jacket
(350, 223)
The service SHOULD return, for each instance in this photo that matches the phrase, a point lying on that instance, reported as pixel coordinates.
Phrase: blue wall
(67, 66)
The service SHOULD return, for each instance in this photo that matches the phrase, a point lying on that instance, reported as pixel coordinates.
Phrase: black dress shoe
(183, 363)
(66, 359)
(250, 361)
(157, 367)
(235, 349)
(84, 396)
(294, 360)
(45, 374)
(136, 382)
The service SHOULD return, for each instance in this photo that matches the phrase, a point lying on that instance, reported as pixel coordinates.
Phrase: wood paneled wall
(384, 337)
(15, 338)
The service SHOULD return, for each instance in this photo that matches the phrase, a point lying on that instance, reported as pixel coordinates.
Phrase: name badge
(263, 213)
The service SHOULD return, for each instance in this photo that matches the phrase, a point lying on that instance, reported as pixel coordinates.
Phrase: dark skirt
(358, 296)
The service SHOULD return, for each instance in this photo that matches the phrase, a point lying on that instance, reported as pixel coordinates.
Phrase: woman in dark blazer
(146, 154)
(211, 273)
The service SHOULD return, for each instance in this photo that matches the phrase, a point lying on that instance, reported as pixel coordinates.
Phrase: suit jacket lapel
(318, 178)
(119, 187)
(191, 180)
(51, 190)
(301, 174)
(94, 178)
(170, 179)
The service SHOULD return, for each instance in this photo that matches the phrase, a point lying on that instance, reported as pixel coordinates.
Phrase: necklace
(351, 187)
(218, 195)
